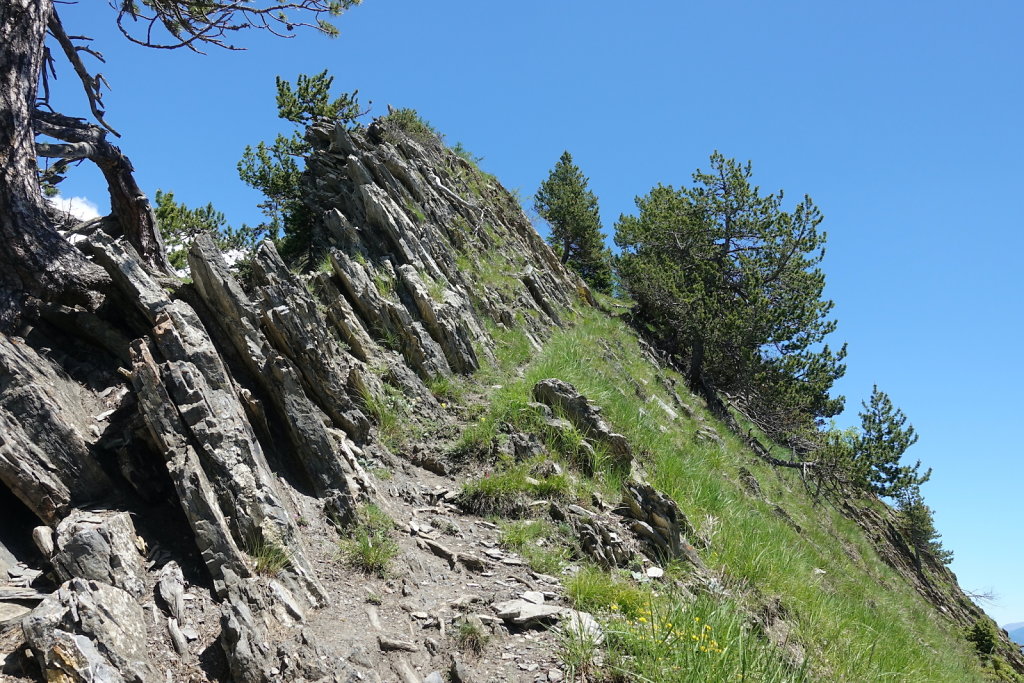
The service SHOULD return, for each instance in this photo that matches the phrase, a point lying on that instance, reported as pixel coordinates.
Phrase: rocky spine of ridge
(202, 408)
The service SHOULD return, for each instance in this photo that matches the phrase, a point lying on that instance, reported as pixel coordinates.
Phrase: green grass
(414, 125)
(471, 637)
(390, 411)
(384, 283)
(694, 640)
(859, 621)
(415, 211)
(508, 490)
(369, 546)
(447, 388)
(325, 264)
(545, 547)
(436, 289)
(269, 558)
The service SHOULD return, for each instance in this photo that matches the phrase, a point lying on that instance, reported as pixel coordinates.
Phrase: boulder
(90, 631)
(101, 546)
(584, 415)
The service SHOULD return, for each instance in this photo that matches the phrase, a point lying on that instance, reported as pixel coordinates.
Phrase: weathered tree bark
(35, 261)
(129, 206)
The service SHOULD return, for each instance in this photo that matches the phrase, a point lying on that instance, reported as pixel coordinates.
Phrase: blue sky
(901, 120)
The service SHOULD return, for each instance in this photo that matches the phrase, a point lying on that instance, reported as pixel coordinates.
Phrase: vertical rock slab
(318, 452)
(297, 328)
(444, 320)
(344, 318)
(229, 452)
(195, 492)
(390, 320)
(190, 401)
(44, 456)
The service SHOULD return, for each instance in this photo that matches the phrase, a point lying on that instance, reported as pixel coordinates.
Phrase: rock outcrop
(236, 406)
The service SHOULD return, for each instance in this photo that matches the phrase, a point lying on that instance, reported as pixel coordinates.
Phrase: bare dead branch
(91, 84)
(128, 204)
(192, 29)
(69, 150)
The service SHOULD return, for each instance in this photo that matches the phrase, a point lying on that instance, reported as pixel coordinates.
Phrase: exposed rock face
(584, 415)
(236, 403)
(404, 214)
(90, 631)
(101, 547)
(654, 518)
(45, 456)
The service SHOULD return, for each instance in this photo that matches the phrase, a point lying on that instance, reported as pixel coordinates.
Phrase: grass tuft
(508, 492)
(472, 636)
(269, 558)
(369, 546)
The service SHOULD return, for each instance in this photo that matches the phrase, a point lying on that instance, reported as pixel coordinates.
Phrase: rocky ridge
(181, 463)
(160, 450)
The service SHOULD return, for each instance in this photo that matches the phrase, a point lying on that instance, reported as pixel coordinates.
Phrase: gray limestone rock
(101, 546)
(90, 631)
(584, 415)
(321, 456)
(659, 522)
(45, 417)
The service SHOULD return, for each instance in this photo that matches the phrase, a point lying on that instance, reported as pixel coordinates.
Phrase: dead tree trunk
(35, 261)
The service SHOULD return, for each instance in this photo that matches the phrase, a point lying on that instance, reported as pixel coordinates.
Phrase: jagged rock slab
(659, 522)
(584, 415)
(101, 546)
(45, 458)
(90, 631)
(298, 330)
(328, 464)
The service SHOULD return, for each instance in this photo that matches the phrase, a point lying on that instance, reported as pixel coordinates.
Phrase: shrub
(983, 636)
(409, 121)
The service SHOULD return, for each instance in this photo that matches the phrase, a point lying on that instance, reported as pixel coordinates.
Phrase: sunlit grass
(849, 613)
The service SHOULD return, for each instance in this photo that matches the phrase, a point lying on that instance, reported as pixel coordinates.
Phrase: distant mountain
(1016, 632)
(1014, 626)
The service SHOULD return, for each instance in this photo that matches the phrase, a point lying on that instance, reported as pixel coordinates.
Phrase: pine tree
(565, 202)
(728, 282)
(276, 169)
(917, 523)
(885, 436)
(179, 226)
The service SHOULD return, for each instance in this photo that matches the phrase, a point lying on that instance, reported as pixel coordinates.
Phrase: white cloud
(80, 207)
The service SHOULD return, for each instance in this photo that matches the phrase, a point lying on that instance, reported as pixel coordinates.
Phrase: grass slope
(844, 614)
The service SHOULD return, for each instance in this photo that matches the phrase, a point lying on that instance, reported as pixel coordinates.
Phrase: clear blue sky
(902, 120)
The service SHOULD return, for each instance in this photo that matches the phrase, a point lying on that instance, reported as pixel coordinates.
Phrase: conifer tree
(918, 525)
(565, 202)
(276, 169)
(179, 225)
(728, 282)
(885, 436)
